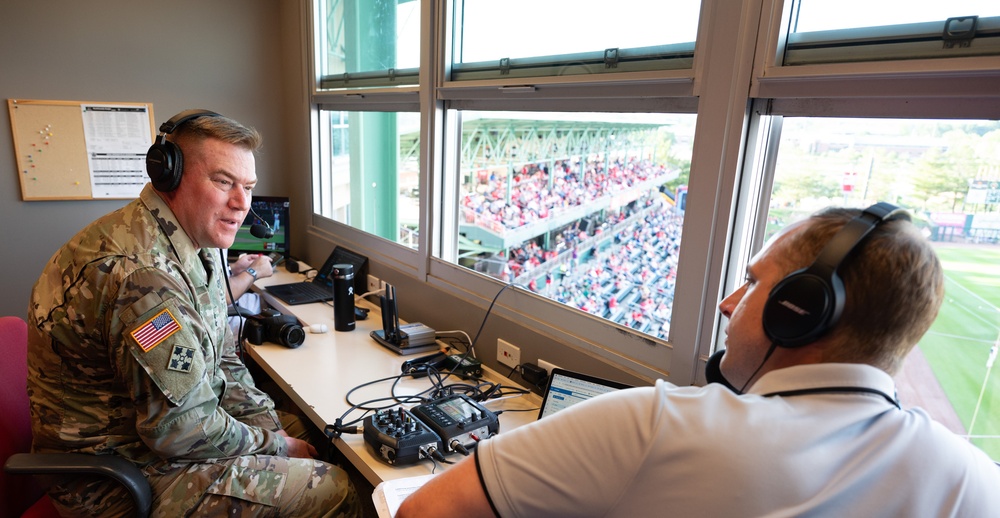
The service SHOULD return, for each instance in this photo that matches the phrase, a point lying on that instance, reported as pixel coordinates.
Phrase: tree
(802, 184)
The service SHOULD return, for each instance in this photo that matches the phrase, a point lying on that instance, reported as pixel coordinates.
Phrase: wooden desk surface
(318, 375)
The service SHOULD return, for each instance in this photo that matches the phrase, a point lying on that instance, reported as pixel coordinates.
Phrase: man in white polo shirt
(804, 421)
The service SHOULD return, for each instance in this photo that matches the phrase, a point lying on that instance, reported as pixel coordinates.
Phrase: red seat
(18, 494)
(21, 495)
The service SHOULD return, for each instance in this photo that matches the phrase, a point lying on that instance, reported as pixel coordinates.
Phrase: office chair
(23, 496)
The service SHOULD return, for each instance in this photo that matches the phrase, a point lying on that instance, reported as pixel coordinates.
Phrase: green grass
(958, 344)
(246, 241)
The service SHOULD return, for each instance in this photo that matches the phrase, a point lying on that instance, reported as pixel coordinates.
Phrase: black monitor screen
(271, 211)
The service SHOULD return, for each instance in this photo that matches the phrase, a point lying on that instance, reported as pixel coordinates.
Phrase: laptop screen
(567, 388)
(271, 211)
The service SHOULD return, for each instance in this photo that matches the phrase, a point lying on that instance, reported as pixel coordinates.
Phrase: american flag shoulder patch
(156, 330)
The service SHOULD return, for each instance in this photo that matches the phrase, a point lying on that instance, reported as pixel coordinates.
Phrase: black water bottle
(343, 297)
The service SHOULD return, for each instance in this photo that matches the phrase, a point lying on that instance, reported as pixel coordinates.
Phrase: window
(818, 15)
(856, 30)
(568, 186)
(585, 209)
(945, 173)
(368, 175)
(368, 43)
(517, 38)
(475, 144)
(367, 126)
(612, 157)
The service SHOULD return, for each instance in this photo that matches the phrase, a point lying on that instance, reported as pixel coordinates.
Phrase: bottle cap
(343, 271)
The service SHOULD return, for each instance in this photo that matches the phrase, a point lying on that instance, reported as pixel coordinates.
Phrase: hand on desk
(297, 448)
(240, 284)
(260, 263)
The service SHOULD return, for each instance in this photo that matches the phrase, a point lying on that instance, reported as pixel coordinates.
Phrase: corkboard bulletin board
(50, 144)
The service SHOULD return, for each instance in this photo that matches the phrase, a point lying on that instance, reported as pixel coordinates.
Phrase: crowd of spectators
(621, 267)
(628, 278)
(617, 263)
(536, 192)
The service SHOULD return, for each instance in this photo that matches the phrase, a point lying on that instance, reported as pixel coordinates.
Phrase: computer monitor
(271, 211)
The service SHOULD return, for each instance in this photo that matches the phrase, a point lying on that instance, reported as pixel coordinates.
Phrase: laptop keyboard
(311, 289)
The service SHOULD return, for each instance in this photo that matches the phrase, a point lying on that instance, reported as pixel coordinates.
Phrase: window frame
(611, 61)
(374, 78)
(952, 88)
(738, 88)
(909, 41)
(975, 77)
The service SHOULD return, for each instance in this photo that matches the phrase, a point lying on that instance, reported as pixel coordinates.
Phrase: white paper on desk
(390, 494)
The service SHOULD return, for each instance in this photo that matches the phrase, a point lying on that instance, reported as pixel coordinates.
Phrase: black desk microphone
(260, 231)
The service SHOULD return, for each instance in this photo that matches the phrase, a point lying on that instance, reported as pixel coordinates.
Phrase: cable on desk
(520, 370)
(459, 447)
(395, 379)
(467, 344)
(305, 272)
(373, 292)
(338, 428)
(470, 351)
(367, 405)
(434, 456)
(479, 390)
(472, 344)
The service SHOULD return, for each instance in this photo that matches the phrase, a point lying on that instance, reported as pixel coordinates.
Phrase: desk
(318, 374)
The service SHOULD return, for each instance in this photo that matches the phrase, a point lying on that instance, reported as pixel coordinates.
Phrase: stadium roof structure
(514, 141)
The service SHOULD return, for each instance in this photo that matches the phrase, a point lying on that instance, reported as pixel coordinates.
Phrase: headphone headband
(846, 241)
(808, 302)
(164, 160)
(168, 127)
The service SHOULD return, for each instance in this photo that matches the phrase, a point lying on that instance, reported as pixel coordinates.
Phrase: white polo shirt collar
(834, 377)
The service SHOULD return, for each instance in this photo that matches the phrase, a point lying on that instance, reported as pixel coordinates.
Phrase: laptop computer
(317, 289)
(566, 388)
(320, 287)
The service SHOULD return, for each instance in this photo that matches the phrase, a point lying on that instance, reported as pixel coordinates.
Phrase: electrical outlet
(508, 354)
(374, 284)
(547, 366)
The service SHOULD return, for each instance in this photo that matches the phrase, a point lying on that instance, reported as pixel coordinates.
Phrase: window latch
(959, 30)
(611, 58)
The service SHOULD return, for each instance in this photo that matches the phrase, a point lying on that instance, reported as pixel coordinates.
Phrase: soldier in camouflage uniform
(130, 354)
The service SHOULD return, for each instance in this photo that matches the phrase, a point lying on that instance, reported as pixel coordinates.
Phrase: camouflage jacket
(130, 352)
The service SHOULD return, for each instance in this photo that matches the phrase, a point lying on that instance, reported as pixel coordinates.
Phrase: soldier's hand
(297, 448)
(243, 262)
(262, 264)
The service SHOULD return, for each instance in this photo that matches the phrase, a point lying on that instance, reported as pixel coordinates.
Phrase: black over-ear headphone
(164, 160)
(808, 302)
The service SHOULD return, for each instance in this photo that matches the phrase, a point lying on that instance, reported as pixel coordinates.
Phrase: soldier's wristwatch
(253, 273)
